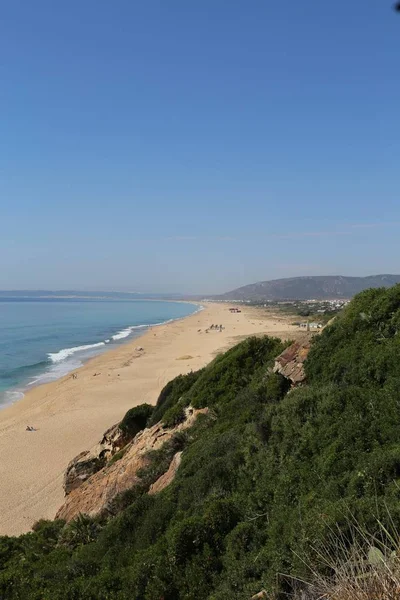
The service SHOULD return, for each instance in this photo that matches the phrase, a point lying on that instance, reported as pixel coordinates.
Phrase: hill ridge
(308, 287)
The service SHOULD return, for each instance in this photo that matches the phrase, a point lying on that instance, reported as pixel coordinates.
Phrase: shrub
(82, 530)
(136, 419)
(174, 415)
(172, 393)
(233, 371)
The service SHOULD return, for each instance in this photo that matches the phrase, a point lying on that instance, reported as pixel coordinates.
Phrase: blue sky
(197, 146)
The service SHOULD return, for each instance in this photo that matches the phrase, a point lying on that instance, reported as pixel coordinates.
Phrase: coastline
(71, 414)
(67, 360)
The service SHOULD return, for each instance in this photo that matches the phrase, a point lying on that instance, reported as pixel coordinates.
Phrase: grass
(355, 566)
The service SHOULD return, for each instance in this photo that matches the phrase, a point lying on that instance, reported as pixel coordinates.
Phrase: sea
(42, 339)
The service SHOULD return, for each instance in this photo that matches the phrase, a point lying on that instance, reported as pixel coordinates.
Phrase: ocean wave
(124, 333)
(56, 357)
(61, 355)
(9, 397)
(59, 364)
(56, 371)
(23, 370)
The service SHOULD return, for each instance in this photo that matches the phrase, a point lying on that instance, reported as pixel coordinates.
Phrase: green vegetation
(136, 419)
(172, 393)
(265, 477)
(117, 456)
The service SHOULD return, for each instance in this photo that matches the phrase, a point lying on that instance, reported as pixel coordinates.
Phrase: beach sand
(71, 414)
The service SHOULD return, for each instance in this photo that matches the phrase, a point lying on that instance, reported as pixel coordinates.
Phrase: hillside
(264, 479)
(307, 288)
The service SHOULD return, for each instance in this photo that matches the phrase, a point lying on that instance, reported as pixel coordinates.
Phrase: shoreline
(71, 414)
(114, 342)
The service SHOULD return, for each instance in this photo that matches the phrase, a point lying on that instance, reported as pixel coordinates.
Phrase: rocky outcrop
(168, 476)
(290, 363)
(260, 596)
(89, 462)
(95, 494)
(81, 468)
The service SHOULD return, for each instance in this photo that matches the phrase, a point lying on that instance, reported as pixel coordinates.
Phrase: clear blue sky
(197, 146)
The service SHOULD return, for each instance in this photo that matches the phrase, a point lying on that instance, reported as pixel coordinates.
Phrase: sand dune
(71, 414)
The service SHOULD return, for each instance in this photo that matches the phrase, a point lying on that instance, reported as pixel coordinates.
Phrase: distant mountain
(307, 288)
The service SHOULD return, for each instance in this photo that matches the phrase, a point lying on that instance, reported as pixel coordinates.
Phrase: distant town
(315, 312)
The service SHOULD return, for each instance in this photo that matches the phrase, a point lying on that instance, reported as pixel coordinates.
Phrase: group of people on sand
(215, 328)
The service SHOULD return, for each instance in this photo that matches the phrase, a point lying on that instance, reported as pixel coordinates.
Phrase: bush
(233, 371)
(82, 530)
(136, 419)
(174, 415)
(172, 393)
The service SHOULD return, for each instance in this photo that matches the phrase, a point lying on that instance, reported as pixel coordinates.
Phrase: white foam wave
(9, 397)
(124, 333)
(64, 360)
(56, 357)
(65, 353)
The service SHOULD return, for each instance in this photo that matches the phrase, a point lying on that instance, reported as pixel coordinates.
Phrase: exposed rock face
(290, 363)
(260, 596)
(89, 462)
(81, 468)
(168, 476)
(94, 495)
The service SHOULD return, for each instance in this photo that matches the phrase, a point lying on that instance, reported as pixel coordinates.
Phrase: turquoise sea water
(42, 340)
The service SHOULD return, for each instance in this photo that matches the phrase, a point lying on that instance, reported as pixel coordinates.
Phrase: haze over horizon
(197, 148)
(178, 294)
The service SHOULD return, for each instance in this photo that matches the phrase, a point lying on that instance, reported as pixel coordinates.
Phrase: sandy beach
(71, 414)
